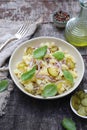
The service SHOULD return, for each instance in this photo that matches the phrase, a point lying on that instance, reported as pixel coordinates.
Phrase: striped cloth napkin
(8, 29)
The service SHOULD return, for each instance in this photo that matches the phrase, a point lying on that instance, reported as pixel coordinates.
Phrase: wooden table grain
(22, 111)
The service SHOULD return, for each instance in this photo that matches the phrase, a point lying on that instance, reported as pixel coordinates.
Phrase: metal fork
(22, 32)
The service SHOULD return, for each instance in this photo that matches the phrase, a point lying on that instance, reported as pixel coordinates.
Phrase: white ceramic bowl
(85, 117)
(18, 53)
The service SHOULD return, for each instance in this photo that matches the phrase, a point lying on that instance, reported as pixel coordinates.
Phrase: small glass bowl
(73, 109)
(61, 23)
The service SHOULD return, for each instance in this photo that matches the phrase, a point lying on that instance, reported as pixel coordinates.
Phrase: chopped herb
(68, 124)
(3, 85)
(58, 55)
(40, 52)
(29, 74)
(68, 76)
(49, 90)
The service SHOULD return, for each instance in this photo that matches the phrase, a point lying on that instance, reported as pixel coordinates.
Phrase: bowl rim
(85, 117)
(39, 97)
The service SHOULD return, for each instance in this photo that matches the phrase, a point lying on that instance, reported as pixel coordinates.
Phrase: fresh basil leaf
(58, 55)
(40, 52)
(29, 74)
(68, 76)
(68, 124)
(3, 85)
(49, 90)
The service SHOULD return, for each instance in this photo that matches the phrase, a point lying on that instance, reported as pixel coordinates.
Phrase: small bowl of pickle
(78, 103)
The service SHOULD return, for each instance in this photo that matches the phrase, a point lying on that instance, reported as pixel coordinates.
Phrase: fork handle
(9, 40)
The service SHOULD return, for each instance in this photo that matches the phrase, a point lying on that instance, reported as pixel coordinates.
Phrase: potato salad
(46, 70)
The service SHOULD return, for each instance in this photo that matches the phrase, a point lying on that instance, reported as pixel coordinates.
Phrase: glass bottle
(76, 28)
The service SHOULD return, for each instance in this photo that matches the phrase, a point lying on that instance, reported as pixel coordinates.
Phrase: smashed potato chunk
(60, 87)
(29, 87)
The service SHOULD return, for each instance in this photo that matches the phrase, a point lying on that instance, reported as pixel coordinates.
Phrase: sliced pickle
(75, 102)
(29, 50)
(84, 102)
(70, 63)
(53, 48)
(81, 94)
(85, 95)
(53, 71)
(81, 111)
(86, 110)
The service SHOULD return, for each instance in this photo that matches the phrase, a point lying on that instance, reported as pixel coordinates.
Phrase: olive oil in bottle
(76, 28)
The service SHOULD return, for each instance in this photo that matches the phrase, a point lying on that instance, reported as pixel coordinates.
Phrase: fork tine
(21, 29)
(25, 29)
(28, 29)
(23, 26)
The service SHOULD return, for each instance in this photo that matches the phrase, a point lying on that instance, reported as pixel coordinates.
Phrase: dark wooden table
(22, 111)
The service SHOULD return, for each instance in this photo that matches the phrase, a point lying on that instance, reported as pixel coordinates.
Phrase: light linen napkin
(8, 29)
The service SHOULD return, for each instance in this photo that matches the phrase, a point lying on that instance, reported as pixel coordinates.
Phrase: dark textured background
(26, 113)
